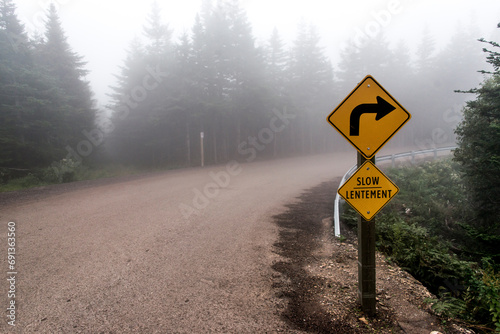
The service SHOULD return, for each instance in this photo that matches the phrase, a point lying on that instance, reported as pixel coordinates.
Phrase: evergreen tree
(12, 62)
(27, 128)
(277, 60)
(311, 88)
(185, 105)
(245, 75)
(214, 81)
(438, 74)
(401, 80)
(143, 100)
(425, 53)
(66, 69)
(478, 153)
(276, 63)
(372, 57)
(458, 65)
(158, 35)
(10, 24)
(123, 143)
(159, 110)
(230, 74)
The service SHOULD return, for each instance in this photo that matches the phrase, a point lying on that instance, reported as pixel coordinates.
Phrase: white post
(336, 217)
(202, 153)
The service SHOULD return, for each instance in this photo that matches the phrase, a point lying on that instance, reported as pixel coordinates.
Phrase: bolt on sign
(368, 190)
(368, 117)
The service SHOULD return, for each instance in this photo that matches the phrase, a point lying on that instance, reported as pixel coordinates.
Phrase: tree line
(249, 99)
(45, 101)
(221, 83)
(218, 82)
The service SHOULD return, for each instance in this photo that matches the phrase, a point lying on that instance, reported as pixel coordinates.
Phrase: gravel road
(185, 251)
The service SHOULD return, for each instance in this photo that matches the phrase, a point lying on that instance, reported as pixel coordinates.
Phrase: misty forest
(248, 99)
(213, 79)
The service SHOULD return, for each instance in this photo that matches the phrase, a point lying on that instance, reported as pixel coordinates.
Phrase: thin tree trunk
(215, 141)
(302, 139)
(311, 146)
(188, 144)
(274, 144)
(224, 143)
(238, 131)
(18, 114)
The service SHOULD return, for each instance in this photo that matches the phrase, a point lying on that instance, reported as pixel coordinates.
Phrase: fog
(102, 30)
(420, 51)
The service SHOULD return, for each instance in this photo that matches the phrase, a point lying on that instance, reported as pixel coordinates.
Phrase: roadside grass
(48, 176)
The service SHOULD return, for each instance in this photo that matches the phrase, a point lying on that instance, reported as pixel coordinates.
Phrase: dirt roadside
(317, 277)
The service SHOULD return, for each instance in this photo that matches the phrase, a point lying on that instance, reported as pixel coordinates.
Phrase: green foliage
(448, 306)
(422, 231)
(479, 144)
(349, 216)
(414, 249)
(100, 172)
(62, 171)
(441, 203)
(477, 153)
(485, 294)
(436, 192)
(45, 102)
(28, 181)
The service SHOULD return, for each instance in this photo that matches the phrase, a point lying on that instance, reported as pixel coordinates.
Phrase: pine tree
(311, 86)
(372, 57)
(230, 72)
(26, 124)
(478, 153)
(9, 23)
(144, 99)
(11, 37)
(126, 140)
(276, 62)
(426, 50)
(67, 71)
(158, 35)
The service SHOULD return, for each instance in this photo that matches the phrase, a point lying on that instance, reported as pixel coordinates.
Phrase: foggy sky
(101, 31)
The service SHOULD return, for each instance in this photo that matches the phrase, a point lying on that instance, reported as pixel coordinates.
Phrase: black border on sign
(348, 96)
(383, 206)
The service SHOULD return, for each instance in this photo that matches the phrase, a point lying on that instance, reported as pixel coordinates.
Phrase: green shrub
(413, 248)
(29, 181)
(432, 195)
(483, 296)
(448, 306)
(349, 217)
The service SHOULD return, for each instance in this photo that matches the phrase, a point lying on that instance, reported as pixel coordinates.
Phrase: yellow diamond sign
(368, 190)
(368, 117)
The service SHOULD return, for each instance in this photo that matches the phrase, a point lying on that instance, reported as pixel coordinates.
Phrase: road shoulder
(317, 276)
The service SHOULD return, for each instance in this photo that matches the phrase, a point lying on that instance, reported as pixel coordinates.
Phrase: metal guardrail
(393, 158)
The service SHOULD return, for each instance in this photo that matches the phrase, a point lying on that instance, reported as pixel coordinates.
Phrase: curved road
(186, 251)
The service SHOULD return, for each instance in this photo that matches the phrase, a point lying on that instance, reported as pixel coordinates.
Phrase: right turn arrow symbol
(382, 108)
